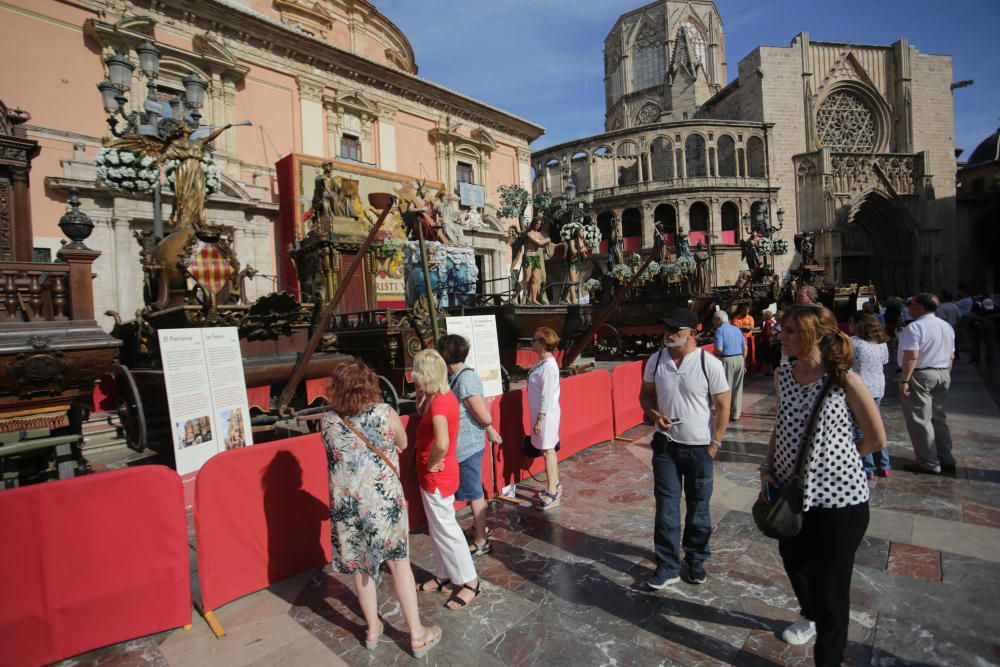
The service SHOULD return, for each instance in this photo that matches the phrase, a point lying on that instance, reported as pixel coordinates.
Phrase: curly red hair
(353, 387)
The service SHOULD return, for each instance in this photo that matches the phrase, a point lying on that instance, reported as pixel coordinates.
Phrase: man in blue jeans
(682, 386)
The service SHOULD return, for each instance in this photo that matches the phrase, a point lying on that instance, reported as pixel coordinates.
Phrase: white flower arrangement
(651, 271)
(685, 264)
(622, 273)
(764, 246)
(670, 270)
(213, 179)
(592, 285)
(126, 171)
(591, 234)
(779, 247)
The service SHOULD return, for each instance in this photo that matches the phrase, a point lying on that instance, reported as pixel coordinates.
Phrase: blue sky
(544, 57)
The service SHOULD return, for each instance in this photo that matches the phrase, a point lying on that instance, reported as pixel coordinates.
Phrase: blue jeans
(677, 466)
(879, 459)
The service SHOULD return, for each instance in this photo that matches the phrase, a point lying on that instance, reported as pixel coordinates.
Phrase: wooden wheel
(389, 394)
(130, 411)
(607, 342)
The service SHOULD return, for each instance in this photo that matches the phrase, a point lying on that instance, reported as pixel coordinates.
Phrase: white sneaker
(799, 632)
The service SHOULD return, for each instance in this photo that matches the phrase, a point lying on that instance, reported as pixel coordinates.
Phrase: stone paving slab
(566, 587)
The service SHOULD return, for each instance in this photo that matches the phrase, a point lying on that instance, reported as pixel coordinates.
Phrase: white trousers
(452, 560)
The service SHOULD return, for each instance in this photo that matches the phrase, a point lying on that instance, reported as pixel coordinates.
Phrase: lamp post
(185, 106)
(762, 225)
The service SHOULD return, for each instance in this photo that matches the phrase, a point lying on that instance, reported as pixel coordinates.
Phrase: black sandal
(477, 550)
(462, 604)
(441, 585)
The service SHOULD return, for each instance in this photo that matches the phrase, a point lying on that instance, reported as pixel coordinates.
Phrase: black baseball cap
(681, 318)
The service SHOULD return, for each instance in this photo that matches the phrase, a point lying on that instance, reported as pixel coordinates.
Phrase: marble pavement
(566, 587)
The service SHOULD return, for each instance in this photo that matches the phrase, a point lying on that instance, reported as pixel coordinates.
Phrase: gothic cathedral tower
(662, 61)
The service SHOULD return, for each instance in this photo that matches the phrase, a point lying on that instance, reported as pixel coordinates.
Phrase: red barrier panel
(626, 381)
(92, 561)
(587, 418)
(262, 515)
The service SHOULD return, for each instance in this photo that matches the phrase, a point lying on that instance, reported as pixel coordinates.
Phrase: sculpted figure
(533, 264)
(616, 249)
(701, 257)
(576, 252)
(748, 252)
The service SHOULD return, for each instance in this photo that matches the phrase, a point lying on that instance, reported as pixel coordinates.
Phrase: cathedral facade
(851, 142)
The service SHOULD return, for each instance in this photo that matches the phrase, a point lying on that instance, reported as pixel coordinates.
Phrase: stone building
(853, 142)
(978, 183)
(326, 79)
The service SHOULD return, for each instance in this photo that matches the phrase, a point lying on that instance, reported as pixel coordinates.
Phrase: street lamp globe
(588, 196)
(194, 90)
(108, 94)
(149, 59)
(120, 70)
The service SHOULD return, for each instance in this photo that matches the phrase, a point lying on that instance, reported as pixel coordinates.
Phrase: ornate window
(696, 41)
(647, 59)
(649, 113)
(846, 124)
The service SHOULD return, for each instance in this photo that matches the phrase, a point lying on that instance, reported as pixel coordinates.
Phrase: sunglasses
(672, 330)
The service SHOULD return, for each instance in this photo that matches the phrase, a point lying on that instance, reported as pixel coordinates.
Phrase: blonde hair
(430, 370)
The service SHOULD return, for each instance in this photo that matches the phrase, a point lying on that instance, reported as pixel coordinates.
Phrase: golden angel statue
(189, 179)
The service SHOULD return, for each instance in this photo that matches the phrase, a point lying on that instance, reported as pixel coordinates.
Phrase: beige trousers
(735, 371)
(925, 418)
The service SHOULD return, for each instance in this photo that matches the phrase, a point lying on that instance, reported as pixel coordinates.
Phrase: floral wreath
(213, 179)
(126, 171)
(591, 234)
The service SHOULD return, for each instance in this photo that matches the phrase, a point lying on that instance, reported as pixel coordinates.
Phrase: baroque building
(852, 142)
(320, 79)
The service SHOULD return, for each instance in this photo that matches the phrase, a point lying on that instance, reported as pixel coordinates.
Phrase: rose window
(846, 124)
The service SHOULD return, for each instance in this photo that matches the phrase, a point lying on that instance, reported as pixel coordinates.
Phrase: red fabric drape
(262, 515)
(92, 561)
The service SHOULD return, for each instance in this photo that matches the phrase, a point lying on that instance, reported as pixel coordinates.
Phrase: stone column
(387, 138)
(648, 230)
(673, 159)
(683, 165)
(332, 126)
(523, 154)
(714, 221)
(311, 114)
(683, 218)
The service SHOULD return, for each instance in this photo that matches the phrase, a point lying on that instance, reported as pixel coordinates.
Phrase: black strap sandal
(439, 585)
(462, 604)
(477, 550)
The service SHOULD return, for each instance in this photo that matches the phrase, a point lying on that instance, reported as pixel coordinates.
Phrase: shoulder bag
(781, 517)
(372, 447)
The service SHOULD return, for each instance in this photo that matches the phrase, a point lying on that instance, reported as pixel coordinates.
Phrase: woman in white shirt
(544, 413)
(871, 354)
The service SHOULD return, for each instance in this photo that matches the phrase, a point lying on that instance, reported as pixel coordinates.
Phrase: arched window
(661, 154)
(698, 215)
(605, 221)
(665, 217)
(626, 148)
(647, 59)
(730, 223)
(696, 40)
(694, 155)
(755, 158)
(628, 169)
(579, 166)
(553, 176)
(725, 155)
(632, 228)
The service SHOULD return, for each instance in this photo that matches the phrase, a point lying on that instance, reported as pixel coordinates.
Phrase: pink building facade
(331, 79)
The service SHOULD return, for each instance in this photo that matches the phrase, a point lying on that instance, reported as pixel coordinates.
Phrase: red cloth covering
(92, 561)
(626, 381)
(259, 397)
(262, 515)
(105, 393)
(317, 388)
(446, 481)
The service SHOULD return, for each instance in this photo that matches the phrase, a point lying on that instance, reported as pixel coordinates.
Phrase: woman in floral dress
(363, 438)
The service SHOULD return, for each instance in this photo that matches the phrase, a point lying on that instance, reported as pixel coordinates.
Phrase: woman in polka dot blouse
(819, 561)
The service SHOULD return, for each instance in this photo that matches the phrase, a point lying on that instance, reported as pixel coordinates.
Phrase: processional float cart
(51, 348)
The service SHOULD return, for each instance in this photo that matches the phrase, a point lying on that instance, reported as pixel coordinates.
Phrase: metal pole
(157, 212)
(431, 303)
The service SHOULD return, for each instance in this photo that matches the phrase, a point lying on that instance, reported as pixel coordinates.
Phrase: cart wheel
(389, 394)
(130, 410)
(607, 342)
(504, 379)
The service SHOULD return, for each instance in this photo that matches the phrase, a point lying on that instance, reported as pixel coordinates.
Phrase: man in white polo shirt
(680, 386)
(926, 351)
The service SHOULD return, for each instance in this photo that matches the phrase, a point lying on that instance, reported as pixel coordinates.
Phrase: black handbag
(532, 452)
(781, 516)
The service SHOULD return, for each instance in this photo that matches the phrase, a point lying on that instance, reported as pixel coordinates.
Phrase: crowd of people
(829, 385)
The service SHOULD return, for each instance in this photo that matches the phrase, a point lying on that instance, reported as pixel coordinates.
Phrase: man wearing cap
(681, 387)
(731, 346)
(925, 355)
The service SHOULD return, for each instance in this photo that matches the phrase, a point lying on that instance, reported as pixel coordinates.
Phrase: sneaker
(884, 472)
(921, 469)
(696, 573)
(799, 632)
(660, 581)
